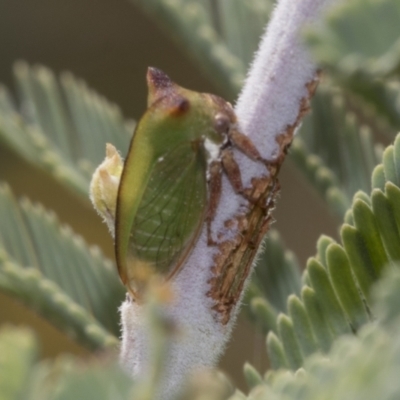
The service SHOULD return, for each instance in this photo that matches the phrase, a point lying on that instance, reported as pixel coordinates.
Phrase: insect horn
(158, 83)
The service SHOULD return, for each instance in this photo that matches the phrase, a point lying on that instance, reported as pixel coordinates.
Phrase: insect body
(171, 181)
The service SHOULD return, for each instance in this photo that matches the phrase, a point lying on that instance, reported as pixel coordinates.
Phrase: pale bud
(104, 186)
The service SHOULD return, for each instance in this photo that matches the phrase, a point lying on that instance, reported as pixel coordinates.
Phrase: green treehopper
(171, 181)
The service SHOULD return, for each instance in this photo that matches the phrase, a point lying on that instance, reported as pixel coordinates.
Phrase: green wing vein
(172, 208)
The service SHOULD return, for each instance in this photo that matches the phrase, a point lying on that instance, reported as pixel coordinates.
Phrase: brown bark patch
(232, 263)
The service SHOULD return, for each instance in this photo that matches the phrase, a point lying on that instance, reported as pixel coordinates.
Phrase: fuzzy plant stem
(269, 107)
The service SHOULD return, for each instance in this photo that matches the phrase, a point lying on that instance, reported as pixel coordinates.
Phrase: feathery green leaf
(51, 269)
(189, 24)
(336, 297)
(366, 365)
(276, 277)
(61, 126)
(346, 152)
(360, 35)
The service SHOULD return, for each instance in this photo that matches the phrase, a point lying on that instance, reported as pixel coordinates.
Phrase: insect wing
(170, 214)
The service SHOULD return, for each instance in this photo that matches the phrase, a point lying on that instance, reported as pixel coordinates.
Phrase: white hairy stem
(269, 103)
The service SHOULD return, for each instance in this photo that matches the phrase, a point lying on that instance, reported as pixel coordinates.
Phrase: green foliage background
(331, 329)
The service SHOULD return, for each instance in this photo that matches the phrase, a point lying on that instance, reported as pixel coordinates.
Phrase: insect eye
(222, 123)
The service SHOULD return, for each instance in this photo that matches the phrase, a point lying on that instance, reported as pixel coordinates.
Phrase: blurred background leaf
(52, 270)
(60, 126)
(364, 365)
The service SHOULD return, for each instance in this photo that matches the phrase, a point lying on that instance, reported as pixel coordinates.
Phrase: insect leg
(232, 170)
(215, 186)
(245, 145)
